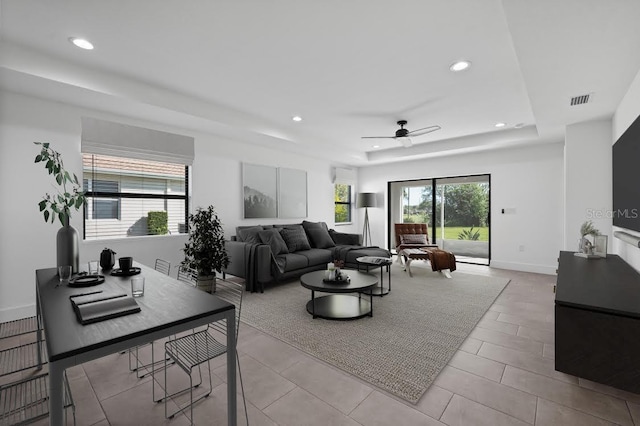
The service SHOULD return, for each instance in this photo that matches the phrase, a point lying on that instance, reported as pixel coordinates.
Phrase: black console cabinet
(597, 320)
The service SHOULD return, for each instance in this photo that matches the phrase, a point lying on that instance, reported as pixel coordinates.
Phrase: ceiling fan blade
(424, 131)
(377, 137)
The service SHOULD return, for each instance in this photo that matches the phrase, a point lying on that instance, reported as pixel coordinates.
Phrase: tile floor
(502, 375)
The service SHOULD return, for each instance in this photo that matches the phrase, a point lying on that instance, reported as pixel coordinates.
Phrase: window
(342, 203)
(102, 208)
(122, 191)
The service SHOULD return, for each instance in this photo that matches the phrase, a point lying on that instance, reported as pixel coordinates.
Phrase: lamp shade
(366, 199)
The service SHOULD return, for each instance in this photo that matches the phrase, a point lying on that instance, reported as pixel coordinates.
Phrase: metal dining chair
(164, 267)
(25, 398)
(188, 275)
(194, 349)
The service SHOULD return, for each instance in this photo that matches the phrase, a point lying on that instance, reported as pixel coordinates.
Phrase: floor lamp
(366, 200)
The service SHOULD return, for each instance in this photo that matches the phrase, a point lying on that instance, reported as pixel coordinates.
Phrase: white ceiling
(241, 69)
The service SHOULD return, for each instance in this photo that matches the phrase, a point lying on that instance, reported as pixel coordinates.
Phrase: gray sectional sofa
(264, 254)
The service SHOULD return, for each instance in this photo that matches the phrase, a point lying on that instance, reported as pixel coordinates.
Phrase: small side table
(381, 262)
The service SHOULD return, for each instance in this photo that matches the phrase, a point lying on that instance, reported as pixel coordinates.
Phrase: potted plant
(69, 195)
(205, 251)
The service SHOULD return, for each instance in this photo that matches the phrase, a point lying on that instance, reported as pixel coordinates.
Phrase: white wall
(528, 180)
(587, 180)
(27, 243)
(627, 112)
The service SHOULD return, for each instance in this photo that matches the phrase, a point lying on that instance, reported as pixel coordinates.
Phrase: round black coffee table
(339, 306)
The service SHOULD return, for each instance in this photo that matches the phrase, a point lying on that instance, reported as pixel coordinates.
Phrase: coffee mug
(125, 263)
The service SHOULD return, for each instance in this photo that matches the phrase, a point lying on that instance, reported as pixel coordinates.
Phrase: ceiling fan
(403, 135)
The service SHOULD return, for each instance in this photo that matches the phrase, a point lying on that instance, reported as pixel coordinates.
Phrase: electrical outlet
(521, 248)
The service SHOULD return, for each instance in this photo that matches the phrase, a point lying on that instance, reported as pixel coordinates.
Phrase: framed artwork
(292, 193)
(600, 245)
(260, 191)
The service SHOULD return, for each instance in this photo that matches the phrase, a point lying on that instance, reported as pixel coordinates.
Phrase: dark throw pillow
(295, 238)
(249, 235)
(413, 239)
(318, 233)
(274, 239)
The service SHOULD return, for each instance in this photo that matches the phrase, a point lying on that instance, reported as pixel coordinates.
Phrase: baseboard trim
(12, 314)
(524, 267)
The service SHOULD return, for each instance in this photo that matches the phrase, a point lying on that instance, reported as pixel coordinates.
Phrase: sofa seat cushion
(292, 261)
(317, 256)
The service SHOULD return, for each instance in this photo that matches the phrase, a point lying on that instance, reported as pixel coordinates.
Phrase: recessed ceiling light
(501, 124)
(375, 146)
(296, 118)
(460, 66)
(519, 126)
(81, 43)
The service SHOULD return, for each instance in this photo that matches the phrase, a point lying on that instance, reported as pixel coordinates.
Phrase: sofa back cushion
(318, 233)
(295, 238)
(274, 239)
(248, 234)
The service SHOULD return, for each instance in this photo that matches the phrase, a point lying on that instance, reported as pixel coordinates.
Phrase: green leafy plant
(469, 234)
(70, 195)
(205, 251)
(587, 228)
(158, 223)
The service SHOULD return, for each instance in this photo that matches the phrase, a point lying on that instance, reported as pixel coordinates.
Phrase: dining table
(167, 307)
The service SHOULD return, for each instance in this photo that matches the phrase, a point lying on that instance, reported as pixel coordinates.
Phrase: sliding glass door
(455, 209)
(417, 204)
(462, 217)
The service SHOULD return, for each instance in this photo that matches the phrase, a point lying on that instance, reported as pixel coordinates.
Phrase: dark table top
(607, 285)
(359, 281)
(375, 260)
(166, 303)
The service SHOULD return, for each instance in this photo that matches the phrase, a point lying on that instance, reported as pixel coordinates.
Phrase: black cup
(125, 263)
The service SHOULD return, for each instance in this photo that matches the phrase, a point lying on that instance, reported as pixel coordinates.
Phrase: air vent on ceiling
(582, 99)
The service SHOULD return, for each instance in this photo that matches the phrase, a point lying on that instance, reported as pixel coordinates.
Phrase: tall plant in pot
(205, 251)
(69, 195)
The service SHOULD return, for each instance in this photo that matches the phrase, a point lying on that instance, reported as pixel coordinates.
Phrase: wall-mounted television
(626, 178)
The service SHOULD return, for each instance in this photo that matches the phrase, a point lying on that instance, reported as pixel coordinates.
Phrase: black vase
(67, 247)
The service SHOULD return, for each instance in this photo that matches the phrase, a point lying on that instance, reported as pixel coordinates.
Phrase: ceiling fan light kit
(405, 141)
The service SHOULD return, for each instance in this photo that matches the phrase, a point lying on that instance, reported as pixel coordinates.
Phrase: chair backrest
(230, 292)
(163, 266)
(188, 275)
(410, 228)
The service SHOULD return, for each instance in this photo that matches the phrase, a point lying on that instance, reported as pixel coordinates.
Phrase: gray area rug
(413, 333)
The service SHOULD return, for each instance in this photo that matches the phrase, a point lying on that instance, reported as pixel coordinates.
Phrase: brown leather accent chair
(412, 229)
